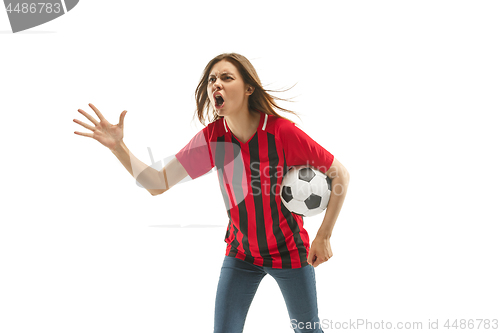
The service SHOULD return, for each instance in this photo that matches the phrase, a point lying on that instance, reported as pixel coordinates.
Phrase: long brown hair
(259, 100)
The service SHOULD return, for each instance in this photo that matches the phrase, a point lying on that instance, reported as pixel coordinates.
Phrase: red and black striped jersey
(261, 230)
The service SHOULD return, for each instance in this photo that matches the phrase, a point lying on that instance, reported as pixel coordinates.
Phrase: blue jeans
(238, 283)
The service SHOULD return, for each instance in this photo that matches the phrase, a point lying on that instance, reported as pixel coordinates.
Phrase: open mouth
(219, 101)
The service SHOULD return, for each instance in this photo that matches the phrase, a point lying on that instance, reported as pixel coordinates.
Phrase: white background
(404, 93)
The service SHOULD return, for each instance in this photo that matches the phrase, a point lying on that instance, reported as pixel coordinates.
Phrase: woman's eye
(224, 78)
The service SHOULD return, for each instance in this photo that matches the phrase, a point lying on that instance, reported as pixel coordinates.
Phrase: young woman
(252, 147)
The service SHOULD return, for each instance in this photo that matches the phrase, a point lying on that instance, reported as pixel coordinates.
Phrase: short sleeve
(196, 157)
(301, 149)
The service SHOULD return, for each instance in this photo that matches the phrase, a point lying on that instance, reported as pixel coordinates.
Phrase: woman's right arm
(111, 136)
(147, 176)
(156, 182)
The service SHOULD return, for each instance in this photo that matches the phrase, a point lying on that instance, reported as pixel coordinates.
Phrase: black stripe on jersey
(260, 221)
(237, 182)
(286, 260)
(294, 227)
(233, 252)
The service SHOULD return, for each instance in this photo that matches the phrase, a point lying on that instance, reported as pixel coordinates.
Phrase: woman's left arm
(320, 250)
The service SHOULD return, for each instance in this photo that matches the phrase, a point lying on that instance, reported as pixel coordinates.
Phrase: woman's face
(225, 80)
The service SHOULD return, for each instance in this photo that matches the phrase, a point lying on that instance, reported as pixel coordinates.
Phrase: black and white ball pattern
(305, 191)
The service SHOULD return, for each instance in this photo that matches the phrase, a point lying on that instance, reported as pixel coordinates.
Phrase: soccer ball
(305, 191)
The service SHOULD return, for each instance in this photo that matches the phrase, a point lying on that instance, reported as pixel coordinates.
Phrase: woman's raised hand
(104, 132)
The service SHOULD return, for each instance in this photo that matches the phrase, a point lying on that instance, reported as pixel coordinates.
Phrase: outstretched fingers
(90, 135)
(89, 117)
(99, 114)
(84, 125)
